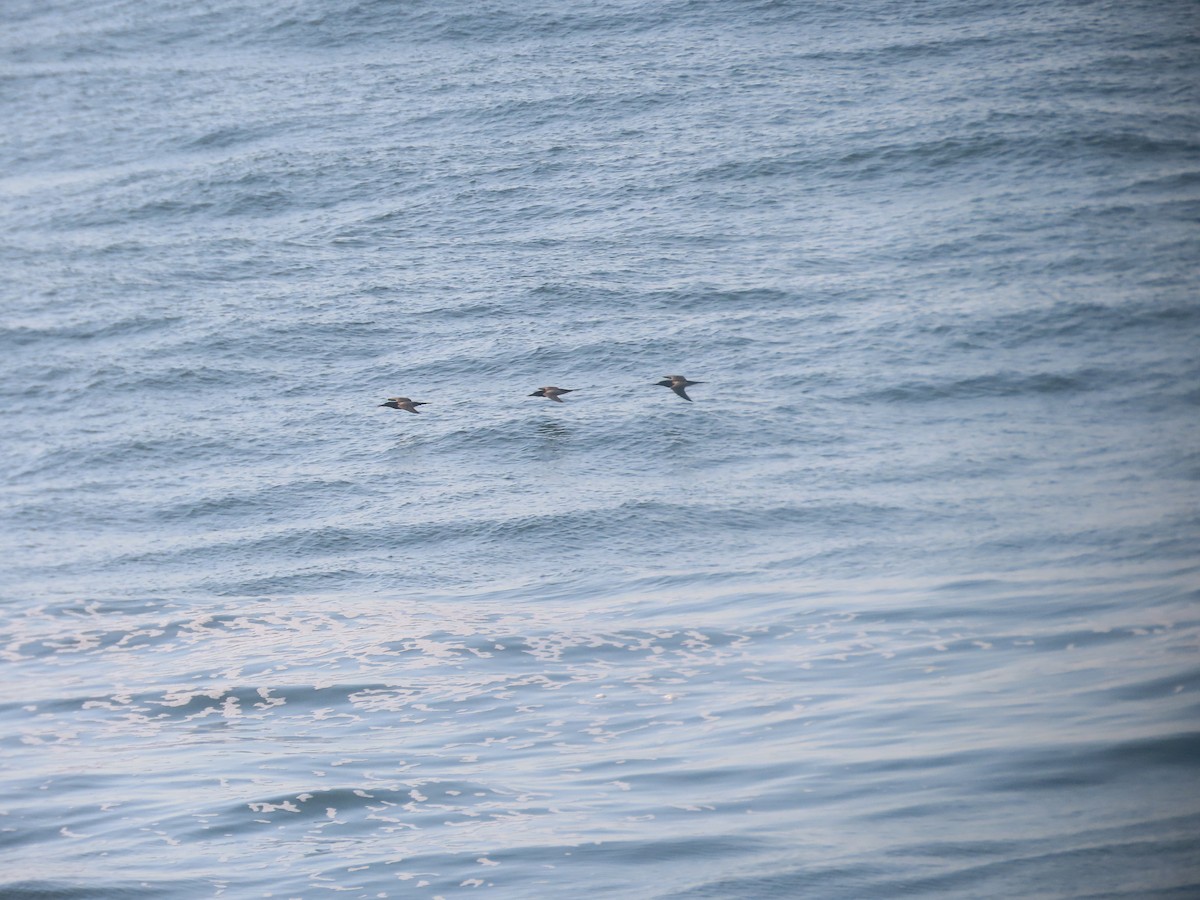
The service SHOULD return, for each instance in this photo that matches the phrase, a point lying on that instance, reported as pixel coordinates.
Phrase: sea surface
(903, 603)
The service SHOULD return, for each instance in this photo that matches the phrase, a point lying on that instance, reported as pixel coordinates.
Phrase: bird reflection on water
(553, 432)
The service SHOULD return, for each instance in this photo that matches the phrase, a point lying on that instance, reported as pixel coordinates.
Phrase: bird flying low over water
(404, 403)
(551, 393)
(677, 383)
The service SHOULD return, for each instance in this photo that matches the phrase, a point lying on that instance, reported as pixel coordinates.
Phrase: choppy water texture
(903, 604)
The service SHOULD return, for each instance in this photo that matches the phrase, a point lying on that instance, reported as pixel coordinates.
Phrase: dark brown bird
(551, 393)
(677, 383)
(403, 403)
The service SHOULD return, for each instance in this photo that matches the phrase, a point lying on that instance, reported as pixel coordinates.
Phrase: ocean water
(904, 603)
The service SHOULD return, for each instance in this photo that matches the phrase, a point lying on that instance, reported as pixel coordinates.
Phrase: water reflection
(552, 433)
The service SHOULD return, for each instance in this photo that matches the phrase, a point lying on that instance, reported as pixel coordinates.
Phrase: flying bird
(551, 393)
(677, 383)
(404, 403)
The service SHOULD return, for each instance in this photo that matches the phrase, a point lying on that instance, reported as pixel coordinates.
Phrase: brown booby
(404, 403)
(677, 383)
(551, 393)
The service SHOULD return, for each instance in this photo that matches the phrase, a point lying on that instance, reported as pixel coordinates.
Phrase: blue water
(904, 603)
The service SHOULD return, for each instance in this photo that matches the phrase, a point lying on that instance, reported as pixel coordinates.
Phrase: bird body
(677, 383)
(403, 403)
(551, 393)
